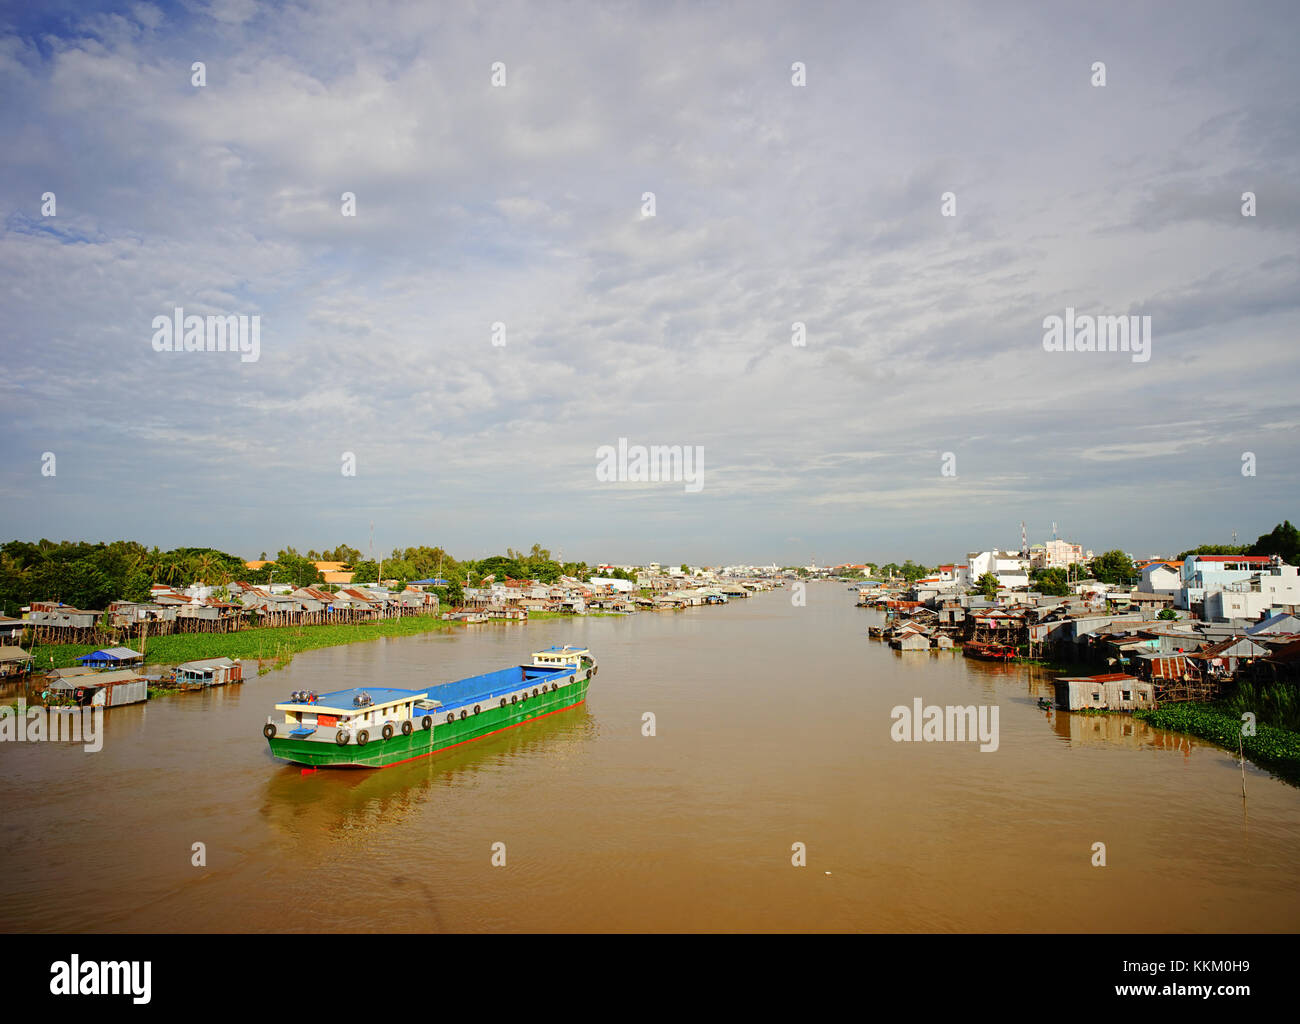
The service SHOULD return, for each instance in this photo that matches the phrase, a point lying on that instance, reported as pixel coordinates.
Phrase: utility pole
(379, 573)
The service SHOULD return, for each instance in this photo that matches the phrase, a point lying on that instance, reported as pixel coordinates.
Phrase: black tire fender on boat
(503, 702)
(555, 686)
(268, 730)
(477, 709)
(451, 718)
(341, 737)
(513, 698)
(426, 722)
(363, 737)
(589, 673)
(387, 731)
(534, 691)
(407, 728)
(464, 715)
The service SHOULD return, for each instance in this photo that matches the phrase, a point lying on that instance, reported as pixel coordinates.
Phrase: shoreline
(259, 644)
(276, 644)
(1274, 749)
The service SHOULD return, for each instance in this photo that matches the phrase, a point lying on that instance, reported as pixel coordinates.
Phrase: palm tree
(205, 566)
(172, 571)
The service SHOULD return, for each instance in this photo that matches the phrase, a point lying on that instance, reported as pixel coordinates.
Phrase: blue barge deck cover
(492, 684)
(462, 691)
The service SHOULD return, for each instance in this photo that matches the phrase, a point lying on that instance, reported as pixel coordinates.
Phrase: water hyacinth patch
(1270, 747)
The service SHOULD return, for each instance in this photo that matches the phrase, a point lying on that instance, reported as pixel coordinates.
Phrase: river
(772, 727)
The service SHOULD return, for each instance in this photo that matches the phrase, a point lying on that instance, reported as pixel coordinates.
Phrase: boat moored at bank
(987, 651)
(373, 727)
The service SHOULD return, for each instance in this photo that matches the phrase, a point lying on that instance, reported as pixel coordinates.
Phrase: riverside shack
(1115, 691)
(101, 689)
(195, 675)
(14, 661)
(111, 657)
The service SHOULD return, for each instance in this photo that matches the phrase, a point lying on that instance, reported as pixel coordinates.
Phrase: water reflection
(340, 802)
(1120, 730)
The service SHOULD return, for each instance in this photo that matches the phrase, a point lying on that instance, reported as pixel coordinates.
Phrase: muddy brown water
(772, 727)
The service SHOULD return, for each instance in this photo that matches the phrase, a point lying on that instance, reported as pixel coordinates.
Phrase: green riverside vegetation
(268, 642)
(1221, 723)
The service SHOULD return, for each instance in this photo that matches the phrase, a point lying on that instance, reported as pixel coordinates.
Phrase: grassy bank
(1270, 747)
(279, 643)
(1065, 668)
(543, 616)
(1275, 703)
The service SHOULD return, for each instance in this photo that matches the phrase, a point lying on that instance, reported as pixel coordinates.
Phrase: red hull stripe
(453, 746)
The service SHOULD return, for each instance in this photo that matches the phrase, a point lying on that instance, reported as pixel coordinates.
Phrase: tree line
(92, 576)
(1283, 540)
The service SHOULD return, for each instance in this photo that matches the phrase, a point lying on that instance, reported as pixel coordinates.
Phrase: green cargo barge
(360, 728)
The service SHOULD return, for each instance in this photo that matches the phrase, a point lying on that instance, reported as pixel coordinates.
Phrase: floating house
(208, 672)
(1112, 692)
(14, 661)
(111, 657)
(911, 640)
(70, 673)
(102, 689)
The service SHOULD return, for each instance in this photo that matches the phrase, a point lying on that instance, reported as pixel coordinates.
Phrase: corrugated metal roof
(95, 679)
(1112, 677)
(205, 664)
(1216, 649)
(1282, 622)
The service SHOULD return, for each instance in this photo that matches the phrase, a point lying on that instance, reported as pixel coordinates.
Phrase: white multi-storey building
(1239, 587)
(1161, 578)
(1203, 575)
(1056, 554)
(1010, 568)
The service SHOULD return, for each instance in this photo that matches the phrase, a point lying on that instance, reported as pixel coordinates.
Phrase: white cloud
(522, 205)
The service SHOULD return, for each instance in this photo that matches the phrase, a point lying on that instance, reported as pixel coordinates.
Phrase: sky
(500, 156)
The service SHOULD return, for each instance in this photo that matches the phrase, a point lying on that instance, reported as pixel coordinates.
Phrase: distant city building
(1161, 578)
(1230, 587)
(1010, 567)
(1056, 554)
